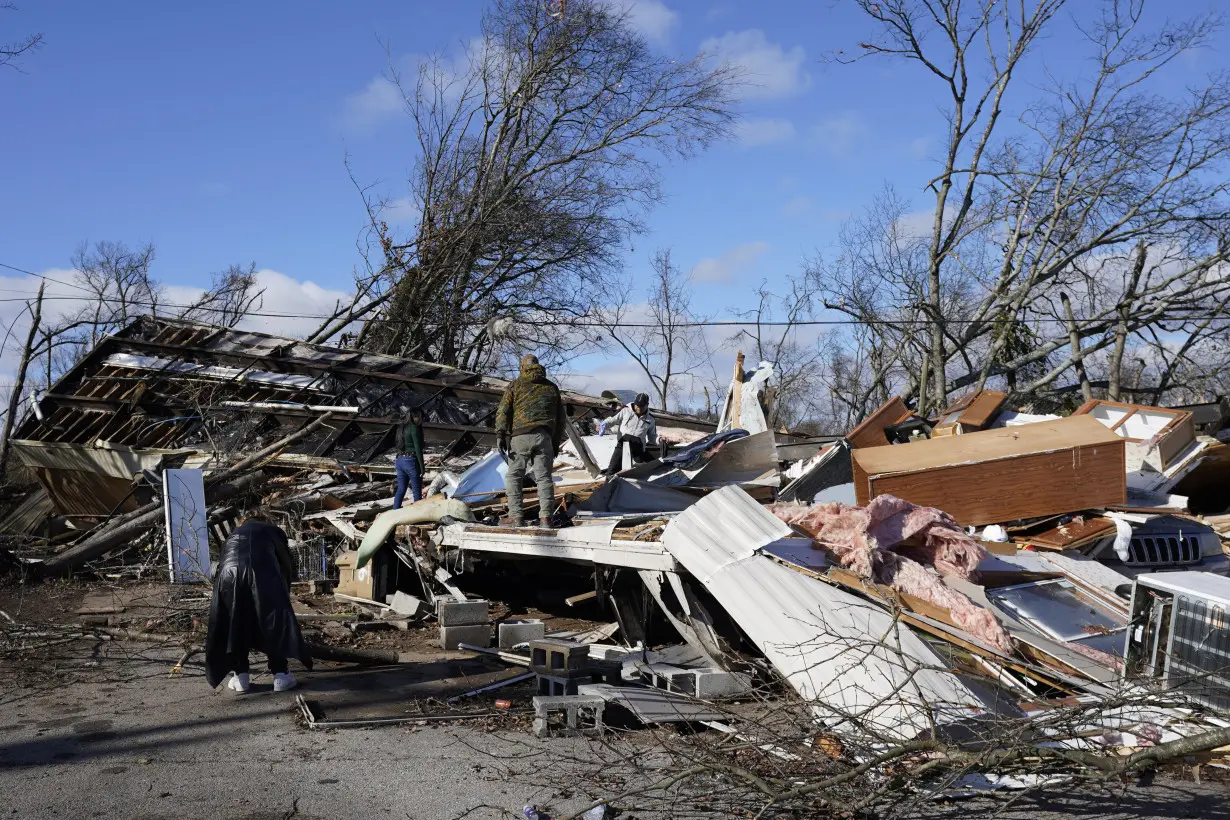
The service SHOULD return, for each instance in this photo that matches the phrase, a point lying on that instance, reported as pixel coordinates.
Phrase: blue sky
(218, 132)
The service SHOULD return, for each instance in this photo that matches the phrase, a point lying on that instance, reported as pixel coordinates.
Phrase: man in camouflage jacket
(530, 425)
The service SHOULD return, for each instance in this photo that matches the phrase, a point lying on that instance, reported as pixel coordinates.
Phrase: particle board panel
(971, 413)
(996, 476)
(870, 433)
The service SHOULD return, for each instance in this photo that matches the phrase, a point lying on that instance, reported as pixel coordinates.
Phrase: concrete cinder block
(548, 685)
(718, 683)
(582, 715)
(477, 635)
(515, 632)
(404, 604)
(462, 613)
(559, 658)
(706, 683)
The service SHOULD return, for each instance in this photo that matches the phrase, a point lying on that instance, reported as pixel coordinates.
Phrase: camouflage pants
(534, 452)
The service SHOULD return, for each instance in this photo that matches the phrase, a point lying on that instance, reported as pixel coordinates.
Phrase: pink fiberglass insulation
(1105, 658)
(891, 542)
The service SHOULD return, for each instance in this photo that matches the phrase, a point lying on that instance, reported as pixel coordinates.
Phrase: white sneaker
(238, 683)
(283, 681)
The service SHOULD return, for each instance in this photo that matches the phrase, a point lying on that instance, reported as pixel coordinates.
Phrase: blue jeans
(407, 473)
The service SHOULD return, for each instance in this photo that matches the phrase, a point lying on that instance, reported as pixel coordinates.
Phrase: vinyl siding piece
(997, 476)
(844, 655)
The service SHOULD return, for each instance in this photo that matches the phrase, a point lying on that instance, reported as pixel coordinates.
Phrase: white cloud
(652, 19)
(402, 211)
(374, 104)
(764, 131)
(283, 295)
(723, 268)
(838, 135)
(918, 148)
(292, 299)
(594, 374)
(768, 69)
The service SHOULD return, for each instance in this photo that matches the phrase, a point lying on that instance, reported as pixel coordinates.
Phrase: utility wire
(580, 323)
(45, 278)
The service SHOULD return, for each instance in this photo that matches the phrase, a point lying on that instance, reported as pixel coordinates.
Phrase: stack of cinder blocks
(463, 622)
(559, 665)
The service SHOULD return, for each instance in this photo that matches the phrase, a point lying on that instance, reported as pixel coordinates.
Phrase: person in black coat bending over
(251, 607)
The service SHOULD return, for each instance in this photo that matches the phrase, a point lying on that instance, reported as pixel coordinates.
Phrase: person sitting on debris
(530, 425)
(251, 607)
(634, 425)
(409, 457)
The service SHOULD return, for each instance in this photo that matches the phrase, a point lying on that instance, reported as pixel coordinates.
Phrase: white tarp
(183, 498)
(751, 416)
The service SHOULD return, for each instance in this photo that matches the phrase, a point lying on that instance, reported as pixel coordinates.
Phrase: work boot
(514, 523)
(238, 682)
(283, 681)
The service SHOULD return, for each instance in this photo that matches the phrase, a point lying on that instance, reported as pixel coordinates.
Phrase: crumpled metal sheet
(849, 658)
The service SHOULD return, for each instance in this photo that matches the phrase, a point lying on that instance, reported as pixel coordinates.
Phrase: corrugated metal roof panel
(33, 510)
(848, 657)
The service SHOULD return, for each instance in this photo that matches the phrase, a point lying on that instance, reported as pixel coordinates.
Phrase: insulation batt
(892, 542)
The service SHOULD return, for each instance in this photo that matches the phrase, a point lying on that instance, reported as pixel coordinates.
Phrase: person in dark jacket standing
(530, 425)
(251, 608)
(409, 457)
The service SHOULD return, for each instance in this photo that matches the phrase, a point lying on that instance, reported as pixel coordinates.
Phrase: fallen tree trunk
(370, 657)
(136, 522)
(100, 543)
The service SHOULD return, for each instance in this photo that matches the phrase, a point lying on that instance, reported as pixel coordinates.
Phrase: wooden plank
(983, 409)
(871, 432)
(1069, 536)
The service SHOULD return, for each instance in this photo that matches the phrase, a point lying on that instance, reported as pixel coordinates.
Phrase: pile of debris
(913, 587)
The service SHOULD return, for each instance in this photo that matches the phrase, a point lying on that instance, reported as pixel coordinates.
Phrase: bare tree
(15, 395)
(233, 294)
(112, 285)
(1096, 169)
(11, 52)
(539, 153)
(660, 334)
(116, 279)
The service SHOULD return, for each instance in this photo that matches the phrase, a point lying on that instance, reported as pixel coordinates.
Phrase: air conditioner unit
(1179, 634)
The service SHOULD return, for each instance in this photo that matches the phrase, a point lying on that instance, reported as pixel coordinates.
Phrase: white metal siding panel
(846, 656)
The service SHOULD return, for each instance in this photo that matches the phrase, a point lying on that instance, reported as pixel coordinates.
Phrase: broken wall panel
(996, 476)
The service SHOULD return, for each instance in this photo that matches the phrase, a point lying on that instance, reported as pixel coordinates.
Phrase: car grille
(1164, 549)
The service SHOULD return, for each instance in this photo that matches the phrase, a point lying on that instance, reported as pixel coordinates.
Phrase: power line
(579, 323)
